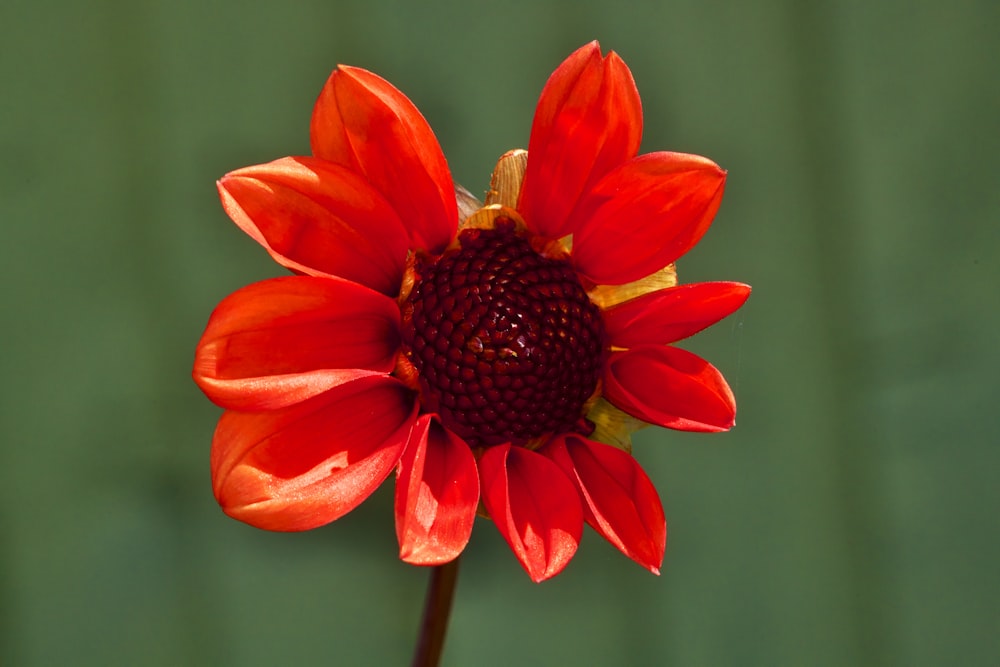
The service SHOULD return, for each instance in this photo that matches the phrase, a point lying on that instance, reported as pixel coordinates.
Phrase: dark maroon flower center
(507, 345)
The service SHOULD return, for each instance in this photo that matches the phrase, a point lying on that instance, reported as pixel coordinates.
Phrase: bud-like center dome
(506, 343)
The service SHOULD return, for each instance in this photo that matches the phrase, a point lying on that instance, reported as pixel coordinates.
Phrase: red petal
(304, 466)
(362, 122)
(534, 506)
(644, 215)
(619, 500)
(281, 341)
(668, 315)
(437, 492)
(670, 387)
(588, 121)
(320, 219)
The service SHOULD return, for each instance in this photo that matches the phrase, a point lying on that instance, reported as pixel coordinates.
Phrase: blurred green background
(849, 519)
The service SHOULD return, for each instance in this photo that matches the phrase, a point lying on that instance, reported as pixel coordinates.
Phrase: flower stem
(437, 606)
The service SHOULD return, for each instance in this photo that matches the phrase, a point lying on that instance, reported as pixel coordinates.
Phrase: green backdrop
(849, 519)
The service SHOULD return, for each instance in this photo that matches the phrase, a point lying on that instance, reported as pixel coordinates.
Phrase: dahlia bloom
(495, 355)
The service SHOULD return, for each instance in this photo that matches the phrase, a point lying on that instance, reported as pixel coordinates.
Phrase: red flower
(483, 352)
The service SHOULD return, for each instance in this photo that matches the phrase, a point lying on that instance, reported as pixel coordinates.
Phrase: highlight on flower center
(495, 355)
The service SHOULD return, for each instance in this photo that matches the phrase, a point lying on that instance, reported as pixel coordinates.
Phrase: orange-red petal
(307, 465)
(284, 340)
(319, 218)
(437, 492)
(362, 122)
(669, 387)
(535, 507)
(644, 215)
(588, 121)
(619, 500)
(671, 314)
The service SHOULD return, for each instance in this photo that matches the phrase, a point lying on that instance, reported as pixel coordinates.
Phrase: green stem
(437, 607)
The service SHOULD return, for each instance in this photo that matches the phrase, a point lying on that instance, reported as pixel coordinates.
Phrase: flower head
(496, 356)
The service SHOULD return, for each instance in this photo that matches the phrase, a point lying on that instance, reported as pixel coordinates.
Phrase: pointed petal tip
(615, 59)
(594, 47)
(351, 71)
(538, 576)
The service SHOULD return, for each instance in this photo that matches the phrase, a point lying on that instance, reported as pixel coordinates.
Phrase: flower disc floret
(507, 344)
